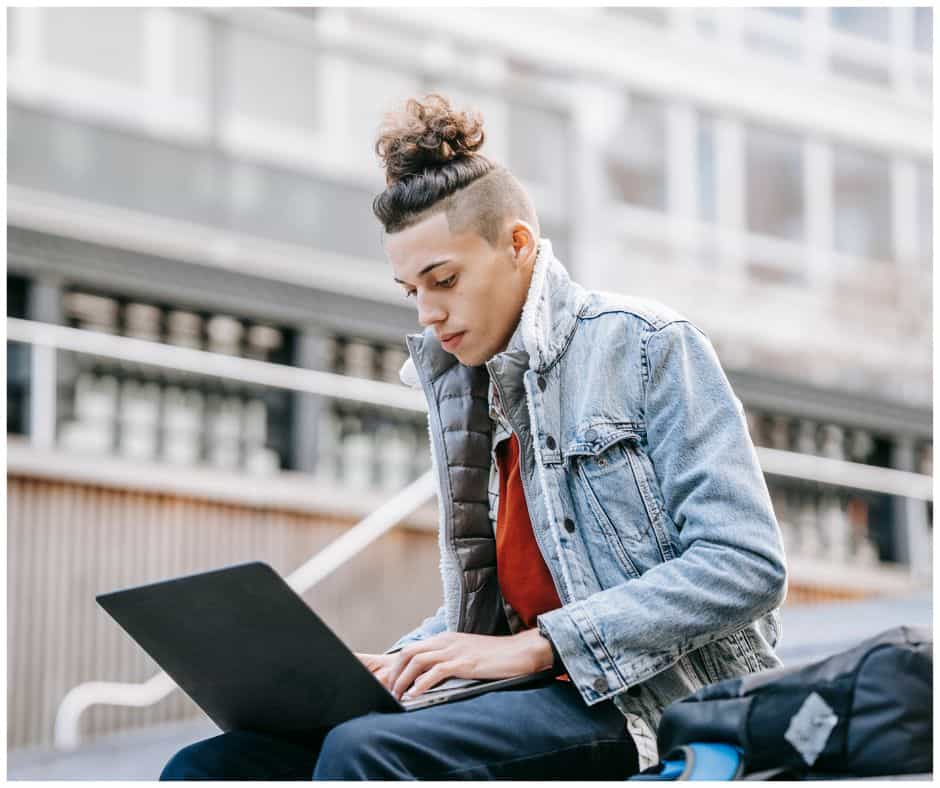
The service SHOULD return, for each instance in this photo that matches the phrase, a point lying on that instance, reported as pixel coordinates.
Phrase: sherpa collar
(548, 318)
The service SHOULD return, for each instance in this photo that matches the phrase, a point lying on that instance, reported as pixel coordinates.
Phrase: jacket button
(600, 684)
(590, 436)
(550, 442)
(569, 525)
(542, 383)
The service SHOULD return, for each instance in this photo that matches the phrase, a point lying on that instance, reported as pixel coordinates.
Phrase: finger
(408, 670)
(416, 666)
(433, 643)
(431, 678)
(371, 661)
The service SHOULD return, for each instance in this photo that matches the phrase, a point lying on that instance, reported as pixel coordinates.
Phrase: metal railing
(774, 462)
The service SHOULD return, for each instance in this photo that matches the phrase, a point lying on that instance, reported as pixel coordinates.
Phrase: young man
(602, 507)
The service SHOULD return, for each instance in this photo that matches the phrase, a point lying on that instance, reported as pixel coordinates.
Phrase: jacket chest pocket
(611, 483)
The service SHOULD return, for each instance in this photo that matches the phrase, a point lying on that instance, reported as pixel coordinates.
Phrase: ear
(524, 242)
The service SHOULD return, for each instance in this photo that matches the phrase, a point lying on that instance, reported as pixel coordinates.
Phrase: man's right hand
(382, 666)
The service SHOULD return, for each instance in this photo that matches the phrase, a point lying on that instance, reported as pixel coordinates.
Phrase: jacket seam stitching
(600, 642)
(620, 311)
(645, 348)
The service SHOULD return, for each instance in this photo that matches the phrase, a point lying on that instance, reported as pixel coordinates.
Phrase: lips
(450, 341)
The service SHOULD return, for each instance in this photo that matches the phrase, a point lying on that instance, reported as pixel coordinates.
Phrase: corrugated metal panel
(67, 542)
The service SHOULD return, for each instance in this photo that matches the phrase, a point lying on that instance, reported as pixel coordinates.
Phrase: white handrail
(91, 693)
(842, 473)
(201, 362)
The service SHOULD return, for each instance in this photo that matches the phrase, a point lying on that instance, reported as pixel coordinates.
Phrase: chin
(468, 360)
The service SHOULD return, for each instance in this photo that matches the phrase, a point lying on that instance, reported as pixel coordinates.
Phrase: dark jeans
(541, 733)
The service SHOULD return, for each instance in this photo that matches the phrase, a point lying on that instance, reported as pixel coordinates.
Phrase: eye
(448, 282)
(410, 293)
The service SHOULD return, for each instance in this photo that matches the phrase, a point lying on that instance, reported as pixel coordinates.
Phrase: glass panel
(925, 211)
(293, 207)
(793, 13)
(923, 29)
(636, 155)
(537, 150)
(17, 359)
(134, 172)
(767, 43)
(774, 196)
(705, 23)
(655, 16)
(106, 42)
(272, 80)
(191, 56)
(873, 23)
(12, 15)
(861, 70)
(373, 90)
(707, 187)
(862, 204)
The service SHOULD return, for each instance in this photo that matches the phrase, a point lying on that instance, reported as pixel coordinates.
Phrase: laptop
(254, 656)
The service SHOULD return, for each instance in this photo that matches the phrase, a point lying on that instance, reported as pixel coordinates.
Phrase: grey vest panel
(457, 398)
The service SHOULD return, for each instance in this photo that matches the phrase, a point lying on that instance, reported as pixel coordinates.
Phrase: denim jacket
(643, 487)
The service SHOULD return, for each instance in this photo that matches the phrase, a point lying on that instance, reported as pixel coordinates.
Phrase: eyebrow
(426, 269)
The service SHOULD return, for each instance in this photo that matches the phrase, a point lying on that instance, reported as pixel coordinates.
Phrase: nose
(429, 311)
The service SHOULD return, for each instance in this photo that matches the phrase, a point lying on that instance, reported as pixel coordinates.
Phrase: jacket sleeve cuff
(579, 646)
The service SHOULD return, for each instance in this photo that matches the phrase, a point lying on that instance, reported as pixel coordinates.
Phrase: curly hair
(432, 163)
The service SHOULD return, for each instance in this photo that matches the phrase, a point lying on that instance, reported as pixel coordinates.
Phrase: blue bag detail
(699, 761)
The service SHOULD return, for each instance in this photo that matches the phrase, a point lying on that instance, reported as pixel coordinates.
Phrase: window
(12, 41)
(774, 184)
(771, 43)
(707, 186)
(636, 155)
(872, 23)
(925, 211)
(272, 81)
(192, 47)
(787, 11)
(18, 355)
(705, 23)
(862, 204)
(103, 42)
(372, 90)
(537, 149)
(923, 29)
(653, 16)
(861, 70)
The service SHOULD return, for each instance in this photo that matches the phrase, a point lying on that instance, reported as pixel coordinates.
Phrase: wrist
(557, 665)
(539, 649)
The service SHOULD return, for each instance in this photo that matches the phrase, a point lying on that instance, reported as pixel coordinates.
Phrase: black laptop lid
(249, 651)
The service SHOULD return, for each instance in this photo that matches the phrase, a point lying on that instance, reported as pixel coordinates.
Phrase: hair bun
(426, 135)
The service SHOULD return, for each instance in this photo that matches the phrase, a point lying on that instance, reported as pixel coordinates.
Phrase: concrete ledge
(287, 490)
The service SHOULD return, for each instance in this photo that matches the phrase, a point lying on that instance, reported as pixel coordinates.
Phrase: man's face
(469, 292)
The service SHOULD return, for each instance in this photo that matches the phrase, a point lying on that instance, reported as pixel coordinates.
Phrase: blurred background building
(202, 179)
